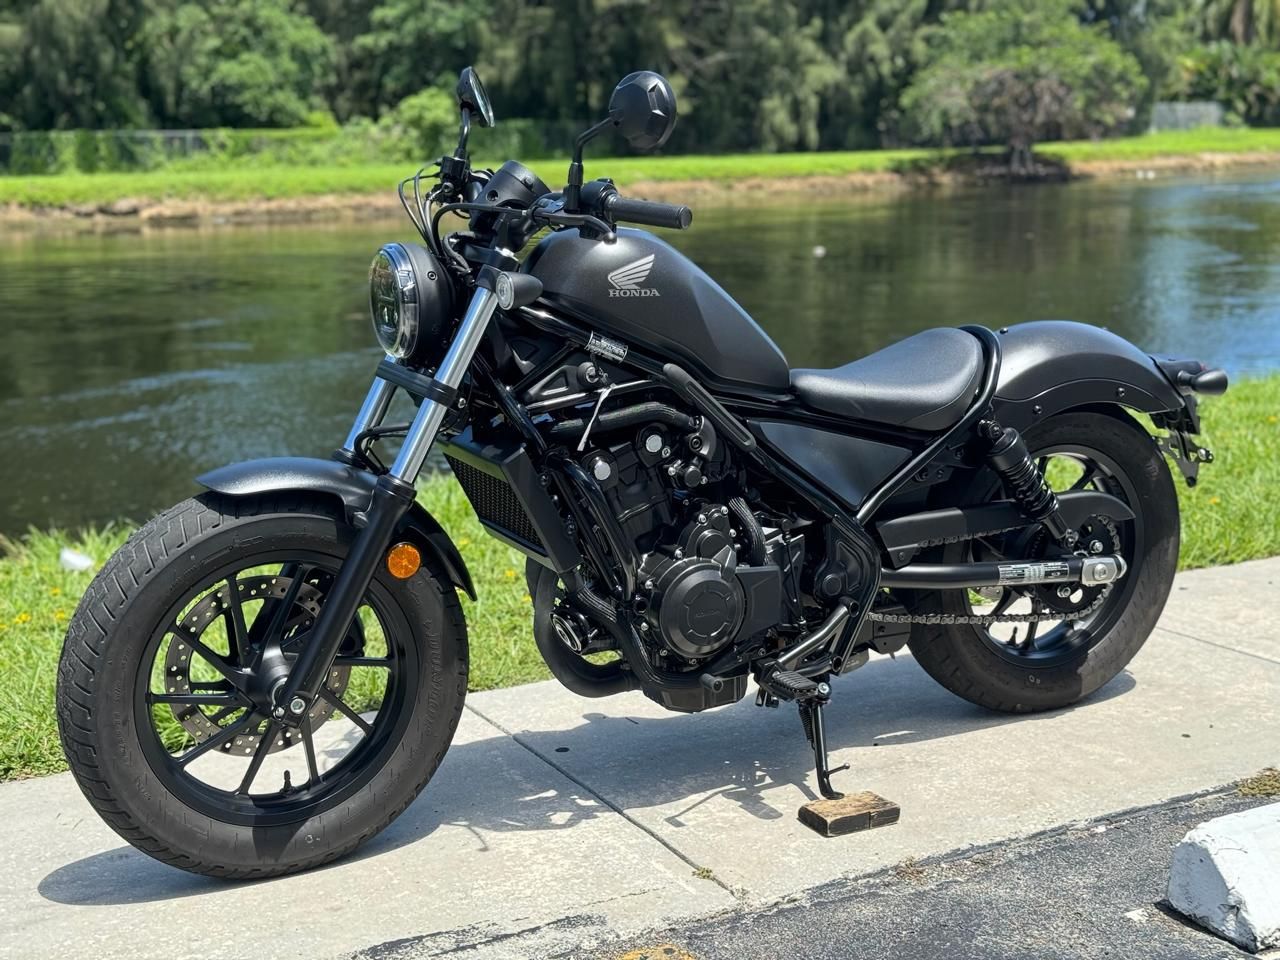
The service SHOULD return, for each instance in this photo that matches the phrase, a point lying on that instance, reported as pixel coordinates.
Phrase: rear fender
(1052, 365)
(352, 486)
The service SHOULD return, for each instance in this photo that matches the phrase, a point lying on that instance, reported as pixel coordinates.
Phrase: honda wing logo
(626, 280)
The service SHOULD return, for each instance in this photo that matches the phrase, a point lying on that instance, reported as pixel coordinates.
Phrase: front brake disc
(200, 720)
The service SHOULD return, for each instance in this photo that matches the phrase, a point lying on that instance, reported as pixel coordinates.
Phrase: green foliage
(1240, 21)
(1019, 72)
(750, 75)
(235, 63)
(424, 122)
(1244, 79)
(76, 65)
(285, 164)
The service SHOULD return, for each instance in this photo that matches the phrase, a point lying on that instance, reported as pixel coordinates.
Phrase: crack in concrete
(736, 894)
(1220, 646)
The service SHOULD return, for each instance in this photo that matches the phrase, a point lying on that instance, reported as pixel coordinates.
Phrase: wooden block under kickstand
(849, 814)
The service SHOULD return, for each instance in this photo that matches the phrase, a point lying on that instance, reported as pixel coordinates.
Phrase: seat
(925, 382)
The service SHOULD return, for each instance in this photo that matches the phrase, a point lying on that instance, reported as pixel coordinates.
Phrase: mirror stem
(465, 134)
(573, 185)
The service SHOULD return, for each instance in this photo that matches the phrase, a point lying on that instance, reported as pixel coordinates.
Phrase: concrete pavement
(1078, 892)
(557, 825)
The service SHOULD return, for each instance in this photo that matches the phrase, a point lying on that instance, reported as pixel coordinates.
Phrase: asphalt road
(1087, 891)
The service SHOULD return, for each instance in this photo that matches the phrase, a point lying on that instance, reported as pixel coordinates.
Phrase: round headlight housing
(410, 300)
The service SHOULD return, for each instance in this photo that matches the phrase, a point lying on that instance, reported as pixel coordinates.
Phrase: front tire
(128, 737)
(964, 658)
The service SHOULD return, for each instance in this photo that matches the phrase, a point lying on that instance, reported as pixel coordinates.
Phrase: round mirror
(471, 95)
(643, 108)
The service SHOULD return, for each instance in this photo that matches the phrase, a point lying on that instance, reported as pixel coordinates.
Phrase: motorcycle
(264, 676)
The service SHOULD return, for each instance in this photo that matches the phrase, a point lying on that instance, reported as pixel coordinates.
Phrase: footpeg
(789, 685)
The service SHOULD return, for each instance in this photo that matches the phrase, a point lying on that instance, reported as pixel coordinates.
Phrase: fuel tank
(645, 292)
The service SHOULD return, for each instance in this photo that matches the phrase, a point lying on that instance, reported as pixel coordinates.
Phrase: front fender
(352, 486)
(1053, 365)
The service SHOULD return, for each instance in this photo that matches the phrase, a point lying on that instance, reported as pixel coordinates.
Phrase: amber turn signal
(403, 561)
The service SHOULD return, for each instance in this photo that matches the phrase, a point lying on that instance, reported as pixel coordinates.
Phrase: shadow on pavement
(742, 752)
(739, 752)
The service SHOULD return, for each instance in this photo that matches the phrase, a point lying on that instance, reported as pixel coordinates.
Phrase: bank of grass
(1233, 515)
(250, 183)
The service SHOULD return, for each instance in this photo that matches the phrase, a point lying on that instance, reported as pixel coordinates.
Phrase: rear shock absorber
(1009, 457)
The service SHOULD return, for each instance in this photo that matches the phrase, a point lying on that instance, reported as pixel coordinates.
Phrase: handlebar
(648, 212)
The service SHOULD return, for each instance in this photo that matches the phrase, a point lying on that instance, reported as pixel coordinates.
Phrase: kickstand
(816, 733)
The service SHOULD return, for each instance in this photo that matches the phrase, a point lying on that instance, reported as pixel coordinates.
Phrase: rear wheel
(1088, 635)
(167, 676)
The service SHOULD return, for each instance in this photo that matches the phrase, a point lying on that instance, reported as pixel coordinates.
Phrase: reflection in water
(129, 363)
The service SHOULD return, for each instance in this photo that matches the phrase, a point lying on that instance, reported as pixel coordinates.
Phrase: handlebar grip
(649, 212)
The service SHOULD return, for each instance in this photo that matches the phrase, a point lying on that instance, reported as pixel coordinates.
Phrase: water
(131, 362)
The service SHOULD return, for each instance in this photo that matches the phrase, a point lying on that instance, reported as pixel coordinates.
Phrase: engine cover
(696, 606)
(694, 602)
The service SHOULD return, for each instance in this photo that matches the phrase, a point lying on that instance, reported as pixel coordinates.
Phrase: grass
(1263, 784)
(1233, 515)
(282, 182)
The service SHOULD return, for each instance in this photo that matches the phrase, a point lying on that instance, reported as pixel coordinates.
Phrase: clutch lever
(558, 218)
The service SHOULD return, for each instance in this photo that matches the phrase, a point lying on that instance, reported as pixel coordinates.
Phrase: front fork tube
(392, 497)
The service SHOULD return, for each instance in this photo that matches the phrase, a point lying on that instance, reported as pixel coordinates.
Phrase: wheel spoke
(228, 734)
(202, 699)
(1030, 642)
(385, 662)
(1004, 603)
(1090, 474)
(313, 770)
(279, 621)
(215, 660)
(224, 713)
(211, 686)
(236, 629)
(260, 754)
(338, 704)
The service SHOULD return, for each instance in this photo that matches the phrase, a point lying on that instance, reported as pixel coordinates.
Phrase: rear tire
(960, 657)
(113, 638)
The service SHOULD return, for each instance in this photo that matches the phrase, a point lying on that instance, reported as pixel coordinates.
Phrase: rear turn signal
(403, 561)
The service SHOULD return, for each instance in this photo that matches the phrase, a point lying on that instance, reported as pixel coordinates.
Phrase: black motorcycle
(267, 674)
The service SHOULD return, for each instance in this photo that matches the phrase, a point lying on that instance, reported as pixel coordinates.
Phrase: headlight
(410, 300)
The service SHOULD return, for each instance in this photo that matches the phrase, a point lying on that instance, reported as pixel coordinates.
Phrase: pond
(131, 362)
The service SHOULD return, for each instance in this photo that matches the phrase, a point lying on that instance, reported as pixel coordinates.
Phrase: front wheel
(1076, 642)
(167, 674)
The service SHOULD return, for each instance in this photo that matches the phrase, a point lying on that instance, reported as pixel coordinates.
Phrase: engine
(693, 602)
(710, 573)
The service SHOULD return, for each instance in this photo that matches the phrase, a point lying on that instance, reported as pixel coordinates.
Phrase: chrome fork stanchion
(392, 497)
(431, 414)
(372, 411)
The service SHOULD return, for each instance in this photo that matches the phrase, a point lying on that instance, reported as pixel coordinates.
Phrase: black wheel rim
(314, 770)
(1052, 643)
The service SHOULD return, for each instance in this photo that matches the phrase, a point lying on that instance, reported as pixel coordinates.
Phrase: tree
(408, 45)
(1240, 21)
(76, 65)
(1019, 72)
(238, 63)
(1244, 79)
